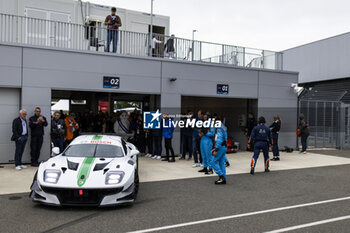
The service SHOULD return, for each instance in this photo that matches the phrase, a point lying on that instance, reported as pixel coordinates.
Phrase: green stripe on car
(84, 170)
(97, 137)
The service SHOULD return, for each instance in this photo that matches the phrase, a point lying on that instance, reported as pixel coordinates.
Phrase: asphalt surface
(341, 153)
(180, 201)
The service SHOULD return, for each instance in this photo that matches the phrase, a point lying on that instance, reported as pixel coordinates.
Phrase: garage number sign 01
(222, 89)
(111, 82)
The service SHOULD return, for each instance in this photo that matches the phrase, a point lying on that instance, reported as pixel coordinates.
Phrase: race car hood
(85, 172)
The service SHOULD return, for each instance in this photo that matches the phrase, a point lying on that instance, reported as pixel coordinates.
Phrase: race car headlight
(52, 176)
(114, 177)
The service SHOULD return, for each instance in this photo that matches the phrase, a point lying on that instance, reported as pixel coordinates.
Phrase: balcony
(39, 32)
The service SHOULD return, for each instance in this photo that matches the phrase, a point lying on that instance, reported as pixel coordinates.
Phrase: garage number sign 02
(222, 89)
(111, 82)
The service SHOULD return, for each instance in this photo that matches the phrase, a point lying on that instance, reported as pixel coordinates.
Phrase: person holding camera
(113, 22)
(58, 131)
(72, 126)
(36, 124)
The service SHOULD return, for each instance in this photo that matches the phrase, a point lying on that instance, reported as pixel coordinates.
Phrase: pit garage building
(32, 76)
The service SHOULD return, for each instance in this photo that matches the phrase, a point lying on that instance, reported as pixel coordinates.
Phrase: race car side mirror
(134, 152)
(55, 151)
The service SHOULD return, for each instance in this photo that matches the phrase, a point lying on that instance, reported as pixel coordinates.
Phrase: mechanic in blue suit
(219, 153)
(207, 136)
(261, 137)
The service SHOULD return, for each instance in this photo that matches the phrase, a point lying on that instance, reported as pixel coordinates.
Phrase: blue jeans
(303, 138)
(258, 146)
(112, 36)
(20, 145)
(58, 142)
(275, 150)
(218, 162)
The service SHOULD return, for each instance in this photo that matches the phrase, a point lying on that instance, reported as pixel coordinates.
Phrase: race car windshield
(94, 150)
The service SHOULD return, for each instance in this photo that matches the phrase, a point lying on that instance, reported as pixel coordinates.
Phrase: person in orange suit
(72, 126)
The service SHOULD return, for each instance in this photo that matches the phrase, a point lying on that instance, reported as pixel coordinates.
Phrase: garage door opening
(98, 111)
(233, 111)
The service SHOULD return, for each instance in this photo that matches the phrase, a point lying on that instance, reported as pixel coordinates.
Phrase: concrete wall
(321, 60)
(38, 71)
(276, 97)
(9, 102)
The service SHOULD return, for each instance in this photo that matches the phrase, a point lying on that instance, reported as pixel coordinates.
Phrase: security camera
(296, 88)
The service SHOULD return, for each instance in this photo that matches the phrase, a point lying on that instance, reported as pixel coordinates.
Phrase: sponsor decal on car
(97, 140)
(84, 170)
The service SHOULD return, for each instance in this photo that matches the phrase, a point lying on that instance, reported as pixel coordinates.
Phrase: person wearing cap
(261, 137)
(71, 125)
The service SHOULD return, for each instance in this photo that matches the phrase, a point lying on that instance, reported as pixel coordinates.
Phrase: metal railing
(40, 32)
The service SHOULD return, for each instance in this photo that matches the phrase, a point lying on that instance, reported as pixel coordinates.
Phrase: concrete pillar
(31, 98)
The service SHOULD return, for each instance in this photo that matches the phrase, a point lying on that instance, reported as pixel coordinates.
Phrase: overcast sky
(266, 24)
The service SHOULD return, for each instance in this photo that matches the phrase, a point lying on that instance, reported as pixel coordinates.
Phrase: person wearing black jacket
(275, 128)
(36, 124)
(251, 123)
(169, 46)
(58, 131)
(304, 130)
(20, 136)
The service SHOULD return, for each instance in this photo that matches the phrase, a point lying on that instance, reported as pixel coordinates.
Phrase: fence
(40, 32)
(323, 118)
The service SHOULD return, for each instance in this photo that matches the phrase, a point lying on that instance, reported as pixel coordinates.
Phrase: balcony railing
(40, 32)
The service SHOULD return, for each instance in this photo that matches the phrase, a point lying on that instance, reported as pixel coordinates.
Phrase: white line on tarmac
(310, 224)
(241, 215)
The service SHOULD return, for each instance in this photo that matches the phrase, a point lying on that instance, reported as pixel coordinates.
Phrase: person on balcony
(169, 47)
(155, 41)
(113, 22)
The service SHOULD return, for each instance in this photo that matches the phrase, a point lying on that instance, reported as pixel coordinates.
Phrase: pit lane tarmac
(300, 200)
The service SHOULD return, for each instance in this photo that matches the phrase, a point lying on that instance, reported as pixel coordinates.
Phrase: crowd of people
(206, 146)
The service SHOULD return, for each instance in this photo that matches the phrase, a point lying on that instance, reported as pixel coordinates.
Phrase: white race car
(94, 170)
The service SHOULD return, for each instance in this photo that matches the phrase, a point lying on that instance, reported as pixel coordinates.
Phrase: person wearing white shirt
(155, 41)
(20, 136)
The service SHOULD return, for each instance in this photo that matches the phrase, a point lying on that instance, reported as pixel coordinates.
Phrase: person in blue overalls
(206, 145)
(275, 128)
(261, 137)
(219, 153)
